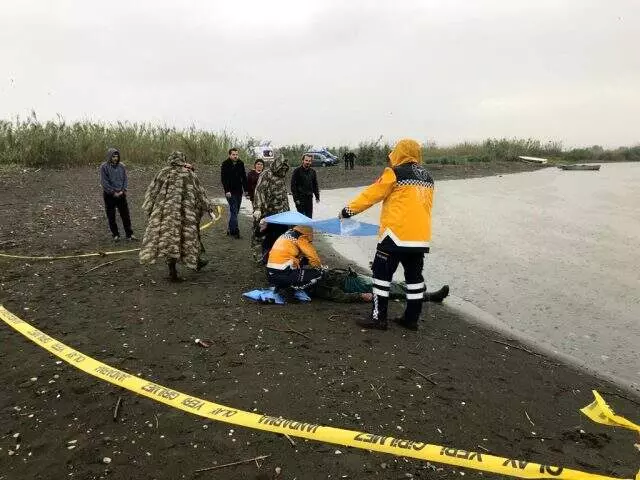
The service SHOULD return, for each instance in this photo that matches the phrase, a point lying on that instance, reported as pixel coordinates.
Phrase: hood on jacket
(279, 167)
(305, 230)
(110, 153)
(406, 151)
(178, 159)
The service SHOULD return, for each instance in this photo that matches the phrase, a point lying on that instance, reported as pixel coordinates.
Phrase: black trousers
(298, 278)
(384, 266)
(112, 202)
(304, 205)
(271, 234)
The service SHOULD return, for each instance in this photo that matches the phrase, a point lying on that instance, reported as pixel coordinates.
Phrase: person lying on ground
(347, 286)
(284, 266)
(175, 203)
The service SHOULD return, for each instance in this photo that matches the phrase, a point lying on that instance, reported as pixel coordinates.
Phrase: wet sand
(549, 255)
(485, 395)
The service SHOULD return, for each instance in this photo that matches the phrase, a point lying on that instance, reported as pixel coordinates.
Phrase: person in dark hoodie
(114, 181)
(234, 180)
(304, 186)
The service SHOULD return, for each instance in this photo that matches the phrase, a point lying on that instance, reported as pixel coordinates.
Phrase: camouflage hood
(279, 167)
(271, 190)
(177, 159)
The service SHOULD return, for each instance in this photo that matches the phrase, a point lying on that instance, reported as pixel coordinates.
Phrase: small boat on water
(580, 166)
(541, 161)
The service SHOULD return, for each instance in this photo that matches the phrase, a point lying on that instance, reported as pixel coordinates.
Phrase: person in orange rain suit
(284, 267)
(406, 191)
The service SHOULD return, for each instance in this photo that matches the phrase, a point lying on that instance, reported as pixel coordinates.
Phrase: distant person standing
(252, 178)
(349, 160)
(114, 181)
(252, 182)
(234, 182)
(304, 185)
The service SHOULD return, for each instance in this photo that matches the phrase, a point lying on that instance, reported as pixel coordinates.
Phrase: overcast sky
(330, 71)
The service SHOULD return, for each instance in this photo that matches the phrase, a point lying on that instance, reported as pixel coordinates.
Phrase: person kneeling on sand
(175, 203)
(291, 250)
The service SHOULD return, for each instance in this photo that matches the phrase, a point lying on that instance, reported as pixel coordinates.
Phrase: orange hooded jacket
(291, 246)
(406, 191)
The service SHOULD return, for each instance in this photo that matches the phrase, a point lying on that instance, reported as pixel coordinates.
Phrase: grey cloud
(333, 72)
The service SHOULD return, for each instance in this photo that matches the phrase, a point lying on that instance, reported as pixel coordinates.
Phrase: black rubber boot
(173, 271)
(371, 324)
(201, 264)
(437, 296)
(404, 324)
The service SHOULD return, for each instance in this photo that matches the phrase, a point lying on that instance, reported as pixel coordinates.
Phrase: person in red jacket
(406, 192)
(252, 178)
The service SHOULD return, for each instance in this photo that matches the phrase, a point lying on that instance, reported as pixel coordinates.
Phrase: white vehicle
(265, 152)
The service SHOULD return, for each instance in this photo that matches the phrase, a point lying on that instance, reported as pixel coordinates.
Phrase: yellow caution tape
(64, 257)
(600, 412)
(101, 254)
(311, 431)
(215, 219)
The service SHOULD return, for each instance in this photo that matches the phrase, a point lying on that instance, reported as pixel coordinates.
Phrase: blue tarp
(268, 295)
(346, 227)
(264, 295)
(289, 218)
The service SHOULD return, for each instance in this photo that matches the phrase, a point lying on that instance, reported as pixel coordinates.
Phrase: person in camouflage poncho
(175, 202)
(270, 197)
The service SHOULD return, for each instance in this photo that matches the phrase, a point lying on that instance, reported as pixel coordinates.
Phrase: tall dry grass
(57, 144)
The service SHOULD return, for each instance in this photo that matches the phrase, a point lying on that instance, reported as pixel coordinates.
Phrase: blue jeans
(234, 207)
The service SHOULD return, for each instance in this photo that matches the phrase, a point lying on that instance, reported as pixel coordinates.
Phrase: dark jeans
(234, 207)
(298, 278)
(384, 266)
(112, 202)
(304, 205)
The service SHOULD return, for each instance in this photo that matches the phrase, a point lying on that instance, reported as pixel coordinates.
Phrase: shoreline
(490, 267)
(131, 318)
(475, 315)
